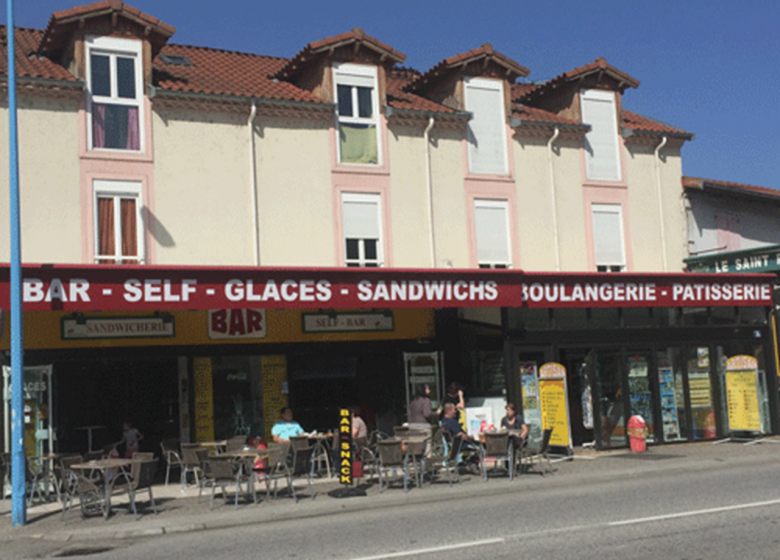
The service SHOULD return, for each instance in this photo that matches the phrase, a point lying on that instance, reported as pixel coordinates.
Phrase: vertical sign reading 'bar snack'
(345, 446)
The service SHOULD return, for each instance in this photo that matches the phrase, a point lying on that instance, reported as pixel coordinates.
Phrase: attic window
(175, 60)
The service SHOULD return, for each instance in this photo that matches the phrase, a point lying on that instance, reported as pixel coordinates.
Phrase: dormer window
(358, 116)
(487, 128)
(602, 154)
(115, 87)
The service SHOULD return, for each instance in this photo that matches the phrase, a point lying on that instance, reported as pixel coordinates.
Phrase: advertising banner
(742, 393)
(554, 403)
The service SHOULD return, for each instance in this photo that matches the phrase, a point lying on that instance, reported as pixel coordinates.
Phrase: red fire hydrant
(637, 433)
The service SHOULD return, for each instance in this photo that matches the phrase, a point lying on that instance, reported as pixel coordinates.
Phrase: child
(131, 438)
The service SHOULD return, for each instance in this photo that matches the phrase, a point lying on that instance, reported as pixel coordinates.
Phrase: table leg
(106, 493)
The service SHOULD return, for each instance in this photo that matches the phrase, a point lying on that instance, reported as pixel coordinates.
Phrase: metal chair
(171, 457)
(89, 493)
(276, 468)
(236, 443)
(499, 448)
(220, 473)
(140, 478)
(538, 453)
(302, 467)
(391, 457)
(193, 456)
(446, 457)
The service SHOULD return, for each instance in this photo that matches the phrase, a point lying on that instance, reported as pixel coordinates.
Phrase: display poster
(554, 405)
(701, 394)
(478, 419)
(639, 391)
(702, 413)
(668, 391)
(204, 399)
(742, 393)
(532, 414)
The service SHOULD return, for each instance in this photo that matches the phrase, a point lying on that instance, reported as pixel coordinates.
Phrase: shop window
(115, 88)
(602, 152)
(636, 317)
(608, 250)
(118, 223)
(487, 128)
(604, 318)
(752, 315)
(491, 219)
(674, 420)
(723, 315)
(362, 224)
(694, 316)
(703, 425)
(528, 319)
(358, 117)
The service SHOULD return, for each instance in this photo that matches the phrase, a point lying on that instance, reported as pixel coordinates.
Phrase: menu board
(552, 397)
(699, 384)
(742, 393)
(532, 414)
(669, 418)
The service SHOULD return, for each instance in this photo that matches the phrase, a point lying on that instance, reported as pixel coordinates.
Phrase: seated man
(286, 428)
(451, 425)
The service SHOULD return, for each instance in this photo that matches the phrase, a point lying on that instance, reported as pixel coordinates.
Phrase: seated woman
(514, 421)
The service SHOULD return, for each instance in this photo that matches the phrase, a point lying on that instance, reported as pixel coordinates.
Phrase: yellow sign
(552, 397)
(204, 399)
(742, 392)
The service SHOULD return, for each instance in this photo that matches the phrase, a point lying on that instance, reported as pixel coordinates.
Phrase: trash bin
(637, 433)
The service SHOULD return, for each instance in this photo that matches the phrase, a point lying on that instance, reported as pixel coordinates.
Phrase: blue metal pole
(18, 466)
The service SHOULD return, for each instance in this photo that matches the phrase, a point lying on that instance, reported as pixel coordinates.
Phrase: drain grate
(83, 551)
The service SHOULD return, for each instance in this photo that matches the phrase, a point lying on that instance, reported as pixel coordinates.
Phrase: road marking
(433, 549)
(695, 512)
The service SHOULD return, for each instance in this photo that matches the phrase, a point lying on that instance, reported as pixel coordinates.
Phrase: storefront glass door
(639, 390)
(700, 389)
(671, 388)
(606, 364)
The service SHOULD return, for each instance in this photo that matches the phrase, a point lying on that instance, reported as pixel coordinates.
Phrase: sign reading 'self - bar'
(93, 287)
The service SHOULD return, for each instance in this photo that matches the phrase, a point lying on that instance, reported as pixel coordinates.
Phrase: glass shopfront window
(700, 390)
(640, 390)
(671, 388)
(608, 375)
(238, 404)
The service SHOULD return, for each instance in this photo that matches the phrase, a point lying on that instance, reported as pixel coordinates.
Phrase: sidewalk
(180, 511)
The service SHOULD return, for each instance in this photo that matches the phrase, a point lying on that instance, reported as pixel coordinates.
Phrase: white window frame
(616, 266)
(491, 85)
(357, 75)
(361, 261)
(118, 190)
(502, 204)
(113, 47)
(600, 96)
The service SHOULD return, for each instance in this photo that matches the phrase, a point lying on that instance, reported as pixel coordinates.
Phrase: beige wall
(202, 198)
(295, 197)
(409, 198)
(48, 181)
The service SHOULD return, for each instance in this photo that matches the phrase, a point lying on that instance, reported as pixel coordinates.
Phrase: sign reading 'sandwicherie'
(86, 288)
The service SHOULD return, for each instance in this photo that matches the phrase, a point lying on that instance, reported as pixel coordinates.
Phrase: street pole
(18, 463)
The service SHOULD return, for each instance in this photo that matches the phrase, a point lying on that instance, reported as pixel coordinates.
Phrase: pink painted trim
(368, 184)
(606, 195)
(496, 190)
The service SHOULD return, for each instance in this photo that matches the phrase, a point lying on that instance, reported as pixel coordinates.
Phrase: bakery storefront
(200, 352)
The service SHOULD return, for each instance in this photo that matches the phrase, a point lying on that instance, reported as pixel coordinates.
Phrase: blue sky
(709, 67)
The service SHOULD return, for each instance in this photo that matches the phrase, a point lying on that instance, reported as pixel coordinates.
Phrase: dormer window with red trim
(358, 115)
(115, 87)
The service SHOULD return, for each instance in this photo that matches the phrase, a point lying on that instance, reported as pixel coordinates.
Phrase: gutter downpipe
(429, 184)
(552, 139)
(656, 159)
(253, 183)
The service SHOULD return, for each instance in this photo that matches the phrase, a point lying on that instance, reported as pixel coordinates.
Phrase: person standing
(131, 438)
(454, 396)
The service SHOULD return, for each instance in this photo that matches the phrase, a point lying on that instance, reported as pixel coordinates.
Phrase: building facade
(137, 151)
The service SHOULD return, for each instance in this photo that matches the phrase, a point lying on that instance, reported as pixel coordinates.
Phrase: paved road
(707, 502)
(714, 510)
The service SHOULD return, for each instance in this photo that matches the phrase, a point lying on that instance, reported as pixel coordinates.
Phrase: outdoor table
(89, 434)
(106, 467)
(218, 445)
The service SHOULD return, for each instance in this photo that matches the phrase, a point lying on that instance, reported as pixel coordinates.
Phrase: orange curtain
(106, 229)
(129, 231)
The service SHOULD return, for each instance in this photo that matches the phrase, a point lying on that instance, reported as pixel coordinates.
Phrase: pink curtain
(99, 126)
(129, 230)
(133, 132)
(106, 228)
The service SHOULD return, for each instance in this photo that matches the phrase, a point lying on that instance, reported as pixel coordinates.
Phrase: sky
(709, 67)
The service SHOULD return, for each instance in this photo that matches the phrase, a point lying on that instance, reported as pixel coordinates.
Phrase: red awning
(107, 287)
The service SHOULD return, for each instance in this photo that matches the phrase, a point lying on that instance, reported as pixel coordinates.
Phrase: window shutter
(360, 216)
(492, 230)
(608, 234)
(487, 128)
(602, 155)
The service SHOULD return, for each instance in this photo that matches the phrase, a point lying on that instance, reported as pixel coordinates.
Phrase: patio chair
(499, 448)
(171, 457)
(193, 456)
(61, 466)
(236, 443)
(446, 458)
(538, 453)
(88, 491)
(302, 467)
(391, 457)
(222, 473)
(275, 470)
(299, 442)
(416, 451)
(140, 478)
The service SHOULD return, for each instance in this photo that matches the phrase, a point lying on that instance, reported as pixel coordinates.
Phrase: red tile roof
(28, 63)
(534, 115)
(486, 51)
(398, 98)
(316, 48)
(598, 65)
(640, 123)
(221, 72)
(727, 186)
